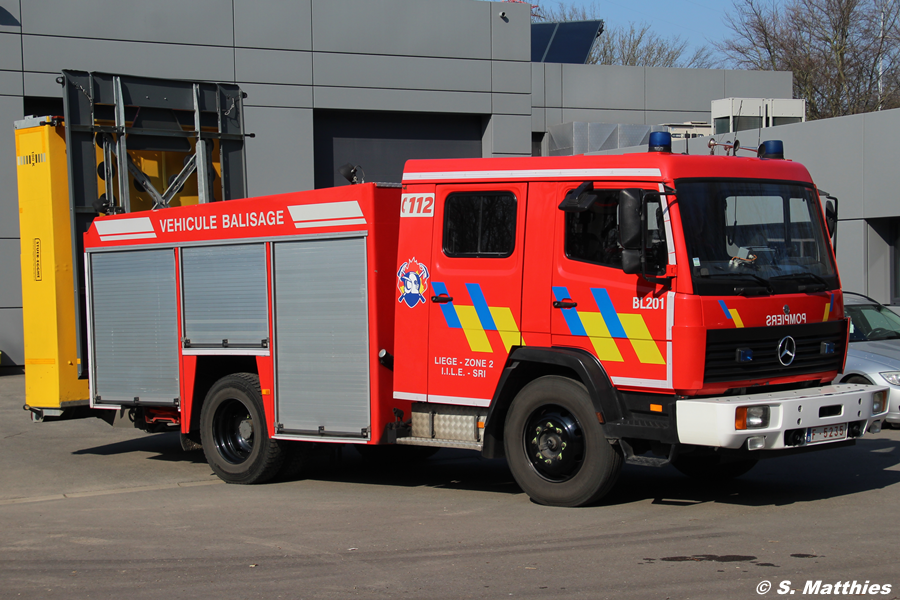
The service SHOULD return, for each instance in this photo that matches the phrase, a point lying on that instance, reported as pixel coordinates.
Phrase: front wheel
(555, 446)
(234, 433)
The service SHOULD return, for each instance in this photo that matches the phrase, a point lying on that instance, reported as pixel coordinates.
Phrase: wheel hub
(245, 430)
(554, 443)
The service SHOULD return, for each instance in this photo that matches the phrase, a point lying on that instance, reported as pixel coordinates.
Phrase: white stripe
(334, 223)
(326, 210)
(532, 174)
(410, 396)
(127, 236)
(117, 226)
(459, 400)
(670, 243)
(649, 383)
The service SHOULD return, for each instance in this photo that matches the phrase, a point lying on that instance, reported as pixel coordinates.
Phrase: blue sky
(697, 21)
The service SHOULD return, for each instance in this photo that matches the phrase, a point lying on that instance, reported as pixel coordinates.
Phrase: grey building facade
(334, 81)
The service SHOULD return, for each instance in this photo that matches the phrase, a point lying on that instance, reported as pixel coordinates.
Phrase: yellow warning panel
(48, 288)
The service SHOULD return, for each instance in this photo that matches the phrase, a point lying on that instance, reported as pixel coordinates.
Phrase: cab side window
(593, 235)
(480, 224)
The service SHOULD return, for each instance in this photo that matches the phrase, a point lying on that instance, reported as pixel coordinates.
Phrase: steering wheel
(880, 333)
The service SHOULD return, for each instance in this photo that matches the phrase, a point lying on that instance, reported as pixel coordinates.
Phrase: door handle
(564, 304)
(443, 298)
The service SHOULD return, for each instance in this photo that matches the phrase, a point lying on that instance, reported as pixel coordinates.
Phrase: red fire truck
(568, 313)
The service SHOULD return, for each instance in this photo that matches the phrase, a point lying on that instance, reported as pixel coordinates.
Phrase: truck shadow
(871, 464)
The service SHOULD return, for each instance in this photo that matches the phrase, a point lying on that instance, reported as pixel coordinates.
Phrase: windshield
(869, 322)
(754, 237)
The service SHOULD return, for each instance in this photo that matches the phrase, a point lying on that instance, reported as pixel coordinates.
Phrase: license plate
(826, 433)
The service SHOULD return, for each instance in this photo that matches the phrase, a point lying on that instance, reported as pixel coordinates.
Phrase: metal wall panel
(759, 84)
(401, 72)
(402, 100)
(135, 326)
(321, 335)
(278, 25)
(879, 163)
(12, 337)
(10, 274)
(442, 28)
(511, 104)
(10, 50)
(11, 83)
(511, 77)
(682, 89)
(851, 255)
(511, 36)
(277, 96)
(10, 111)
(280, 157)
(273, 66)
(602, 116)
(207, 22)
(511, 134)
(553, 85)
(603, 86)
(42, 84)
(168, 61)
(225, 295)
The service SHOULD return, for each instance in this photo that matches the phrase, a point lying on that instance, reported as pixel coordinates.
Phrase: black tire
(712, 468)
(555, 446)
(233, 430)
(857, 379)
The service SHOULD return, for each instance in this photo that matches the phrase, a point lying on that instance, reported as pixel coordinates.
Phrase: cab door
(475, 309)
(624, 320)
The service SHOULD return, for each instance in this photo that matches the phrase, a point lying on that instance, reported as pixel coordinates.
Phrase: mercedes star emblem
(787, 350)
(787, 309)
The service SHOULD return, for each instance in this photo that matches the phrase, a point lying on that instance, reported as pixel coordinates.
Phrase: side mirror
(630, 230)
(830, 217)
(631, 262)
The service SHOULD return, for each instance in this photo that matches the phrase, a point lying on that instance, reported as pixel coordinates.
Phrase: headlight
(751, 417)
(892, 377)
(879, 402)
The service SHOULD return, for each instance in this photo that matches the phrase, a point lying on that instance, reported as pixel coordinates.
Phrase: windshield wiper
(746, 291)
(821, 284)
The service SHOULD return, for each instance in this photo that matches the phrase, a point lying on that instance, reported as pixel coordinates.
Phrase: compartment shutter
(135, 326)
(321, 337)
(225, 296)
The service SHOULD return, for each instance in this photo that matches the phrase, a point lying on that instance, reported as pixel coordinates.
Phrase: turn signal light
(879, 402)
(751, 417)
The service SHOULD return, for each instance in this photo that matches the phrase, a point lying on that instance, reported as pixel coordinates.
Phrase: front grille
(722, 346)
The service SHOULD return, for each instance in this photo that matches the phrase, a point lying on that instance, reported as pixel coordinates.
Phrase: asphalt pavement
(92, 511)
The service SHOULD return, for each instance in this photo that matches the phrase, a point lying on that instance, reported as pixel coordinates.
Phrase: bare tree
(634, 45)
(843, 53)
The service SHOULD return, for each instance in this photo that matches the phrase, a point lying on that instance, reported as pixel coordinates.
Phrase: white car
(874, 354)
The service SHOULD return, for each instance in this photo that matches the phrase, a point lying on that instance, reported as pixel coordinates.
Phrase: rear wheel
(234, 432)
(555, 446)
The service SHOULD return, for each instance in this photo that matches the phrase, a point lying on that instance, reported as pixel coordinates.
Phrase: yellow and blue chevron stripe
(828, 308)
(479, 318)
(732, 314)
(605, 327)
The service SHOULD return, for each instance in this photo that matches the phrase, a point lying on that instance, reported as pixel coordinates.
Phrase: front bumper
(711, 421)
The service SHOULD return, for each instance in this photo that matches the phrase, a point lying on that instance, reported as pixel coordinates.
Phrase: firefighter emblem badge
(412, 281)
